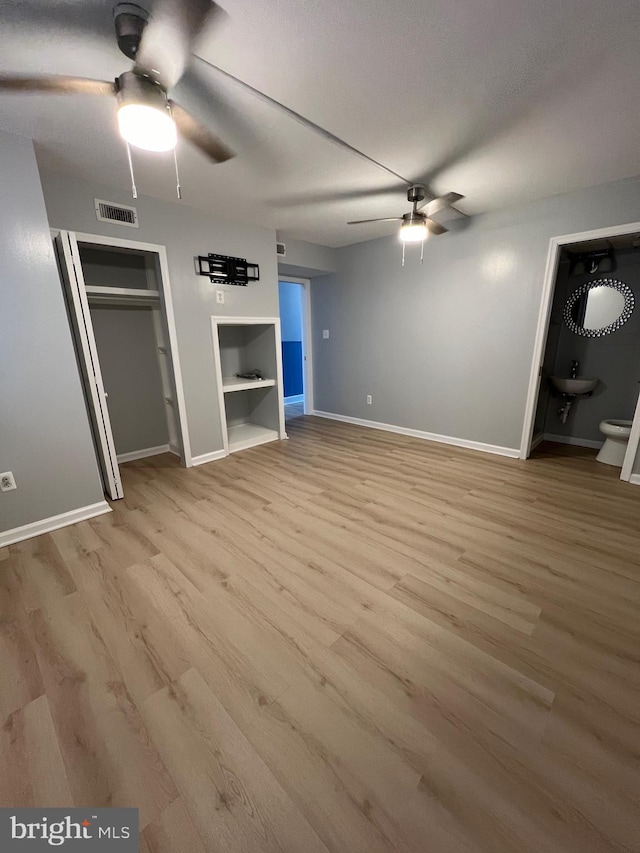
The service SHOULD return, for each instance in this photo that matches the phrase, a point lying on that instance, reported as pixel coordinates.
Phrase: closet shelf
(243, 436)
(235, 383)
(120, 293)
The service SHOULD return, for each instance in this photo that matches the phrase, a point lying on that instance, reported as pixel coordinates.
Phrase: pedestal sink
(573, 386)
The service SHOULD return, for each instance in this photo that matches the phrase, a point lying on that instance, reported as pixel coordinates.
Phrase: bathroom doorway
(295, 321)
(586, 370)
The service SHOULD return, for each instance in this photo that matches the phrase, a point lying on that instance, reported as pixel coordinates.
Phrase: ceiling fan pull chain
(403, 245)
(422, 252)
(134, 191)
(175, 163)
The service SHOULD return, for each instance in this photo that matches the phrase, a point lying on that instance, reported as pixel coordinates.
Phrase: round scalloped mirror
(599, 307)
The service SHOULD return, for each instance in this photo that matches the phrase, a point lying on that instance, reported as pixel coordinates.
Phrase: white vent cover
(281, 250)
(121, 214)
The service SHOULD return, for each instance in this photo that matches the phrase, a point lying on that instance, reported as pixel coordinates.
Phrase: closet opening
(120, 312)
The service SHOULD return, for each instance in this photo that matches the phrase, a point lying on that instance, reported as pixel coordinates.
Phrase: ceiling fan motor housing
(416, 193)
(130, 20)
(135, 89)
(414, 217)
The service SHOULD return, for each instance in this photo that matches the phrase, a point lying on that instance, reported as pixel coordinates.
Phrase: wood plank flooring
(351, 641)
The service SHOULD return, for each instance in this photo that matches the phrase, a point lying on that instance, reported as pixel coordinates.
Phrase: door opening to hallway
(293, 296)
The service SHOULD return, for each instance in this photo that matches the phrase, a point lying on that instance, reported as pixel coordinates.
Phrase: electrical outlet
(220, 297)
(325, 333)
(369, 399)
(7, 482)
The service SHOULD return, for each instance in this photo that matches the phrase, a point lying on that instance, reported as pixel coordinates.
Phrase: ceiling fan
(418, 224)
(160, 46)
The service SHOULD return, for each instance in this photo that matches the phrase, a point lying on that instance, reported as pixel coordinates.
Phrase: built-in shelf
(122, 296)
(235, 383)
(243, 436)
(251, 410)
(132, 292)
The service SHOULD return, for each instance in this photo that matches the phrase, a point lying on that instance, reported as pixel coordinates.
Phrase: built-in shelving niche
(251, 410)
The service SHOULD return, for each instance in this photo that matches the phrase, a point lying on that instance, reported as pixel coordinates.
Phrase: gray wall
(446, 347)
(127, 350)
(44, 431)
(290, 310)
(186, 233)
(304, 259)
(614, 359)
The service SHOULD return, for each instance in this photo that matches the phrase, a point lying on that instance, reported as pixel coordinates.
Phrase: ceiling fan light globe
(414, 232)
(147, 127)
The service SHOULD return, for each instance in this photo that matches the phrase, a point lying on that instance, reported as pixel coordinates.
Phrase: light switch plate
(325, 333)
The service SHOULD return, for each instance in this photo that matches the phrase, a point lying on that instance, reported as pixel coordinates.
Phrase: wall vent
(281, 250)
(121, 214)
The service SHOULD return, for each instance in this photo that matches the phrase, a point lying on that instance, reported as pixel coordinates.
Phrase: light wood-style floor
(350, 641)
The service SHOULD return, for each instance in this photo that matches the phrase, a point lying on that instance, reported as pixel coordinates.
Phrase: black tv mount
(221, 269)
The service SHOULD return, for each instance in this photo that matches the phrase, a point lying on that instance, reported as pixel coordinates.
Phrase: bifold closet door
(632, 446)
(68, 255)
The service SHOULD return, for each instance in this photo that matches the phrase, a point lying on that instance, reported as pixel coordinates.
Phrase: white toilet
(615, 445)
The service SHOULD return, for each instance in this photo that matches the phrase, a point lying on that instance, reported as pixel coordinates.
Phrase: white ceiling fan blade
(56, 84)
(435, 227)
(387, 219)
(198, 135)
(438, 204)
(168, 39)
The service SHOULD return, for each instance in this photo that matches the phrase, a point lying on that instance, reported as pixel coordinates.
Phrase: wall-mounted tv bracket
(222, 269)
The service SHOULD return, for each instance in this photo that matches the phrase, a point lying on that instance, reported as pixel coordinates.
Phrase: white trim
(307, 342)
(217, 321)
(244, 321)
(143, 454)
(632, 445)
(165, 281)
(72, 281)
(538, 439)
(297, 398)
(512, 452)
(573, 440)
(217, 366)
(546, 300)
(634, 479)
(208, 457)
(46, 525)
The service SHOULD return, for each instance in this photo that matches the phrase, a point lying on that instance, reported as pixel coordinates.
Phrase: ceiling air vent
(121, 214)
(281, 250)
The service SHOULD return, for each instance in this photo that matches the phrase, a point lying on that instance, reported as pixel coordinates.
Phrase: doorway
(295, 322)
(586, 366)
(120, 312)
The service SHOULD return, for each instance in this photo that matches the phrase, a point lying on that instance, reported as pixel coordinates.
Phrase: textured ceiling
(503, 101)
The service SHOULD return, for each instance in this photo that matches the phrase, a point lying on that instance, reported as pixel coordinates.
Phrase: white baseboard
(634, 479)
(208, 457)
(570, 439)
(173, 448)
(142, 454)
(37, 528)
(298, 398)
(512, 452)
